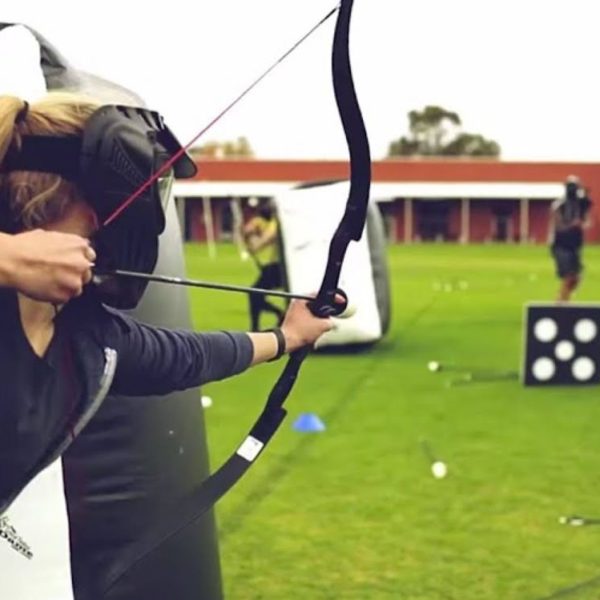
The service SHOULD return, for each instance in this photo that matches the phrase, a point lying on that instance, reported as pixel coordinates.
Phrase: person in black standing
(570, 216)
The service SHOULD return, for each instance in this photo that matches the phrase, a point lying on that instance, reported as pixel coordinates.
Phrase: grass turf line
(358, 514)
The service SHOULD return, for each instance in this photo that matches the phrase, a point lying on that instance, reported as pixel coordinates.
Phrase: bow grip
(326, 306)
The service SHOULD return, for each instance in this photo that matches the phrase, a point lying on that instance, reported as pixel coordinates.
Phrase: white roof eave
(383, 192)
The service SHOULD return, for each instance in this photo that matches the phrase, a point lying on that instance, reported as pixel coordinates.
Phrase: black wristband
(280, 342)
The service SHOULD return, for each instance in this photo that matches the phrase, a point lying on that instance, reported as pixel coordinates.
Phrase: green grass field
(354, 512)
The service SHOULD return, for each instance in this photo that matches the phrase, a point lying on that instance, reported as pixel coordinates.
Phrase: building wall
(454, 224)
(425, 170)
(539, 222)
(196, 227)
(393, 216)
(481, 221)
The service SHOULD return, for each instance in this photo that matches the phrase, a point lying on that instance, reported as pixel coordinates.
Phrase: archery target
(583, 368)
(543, 368)
(585, 330)
(545, 330)
(564, 350)
(562, 345)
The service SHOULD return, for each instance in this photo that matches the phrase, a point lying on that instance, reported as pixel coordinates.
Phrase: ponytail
(31, 198)
(12, 111)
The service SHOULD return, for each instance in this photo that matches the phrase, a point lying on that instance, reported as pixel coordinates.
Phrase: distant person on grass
(260, 235)
(570, 216)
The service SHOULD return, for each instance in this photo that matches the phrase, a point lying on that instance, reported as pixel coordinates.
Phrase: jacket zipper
(106, 380)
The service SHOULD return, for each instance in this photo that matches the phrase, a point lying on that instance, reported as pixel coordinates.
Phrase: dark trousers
(269, 279)
(568, 261)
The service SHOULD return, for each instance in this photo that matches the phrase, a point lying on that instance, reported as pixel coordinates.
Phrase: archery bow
(324, 305)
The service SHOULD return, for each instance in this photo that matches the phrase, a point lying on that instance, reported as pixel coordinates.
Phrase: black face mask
(571, 189)
(122, 246)
(121, 149)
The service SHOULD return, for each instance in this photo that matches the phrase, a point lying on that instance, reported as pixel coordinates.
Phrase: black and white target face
(562, 345)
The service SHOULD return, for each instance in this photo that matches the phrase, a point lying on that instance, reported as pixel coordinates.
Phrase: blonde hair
(34, 198)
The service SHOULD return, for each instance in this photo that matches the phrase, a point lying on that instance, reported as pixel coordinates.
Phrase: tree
(472, 144)
(436, 131)
(213, 149)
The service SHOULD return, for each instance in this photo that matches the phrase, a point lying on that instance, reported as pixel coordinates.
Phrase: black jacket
(111, 352)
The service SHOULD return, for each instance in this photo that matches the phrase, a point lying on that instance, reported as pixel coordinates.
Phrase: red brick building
(461, 200)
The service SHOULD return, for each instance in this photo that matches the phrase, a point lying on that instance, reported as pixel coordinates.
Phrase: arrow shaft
(200, 284)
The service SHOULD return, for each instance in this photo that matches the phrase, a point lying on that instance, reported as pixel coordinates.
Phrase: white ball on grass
(439, 469)
(206, 401)
(433, 365)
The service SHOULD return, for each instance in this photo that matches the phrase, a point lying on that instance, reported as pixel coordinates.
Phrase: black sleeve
(156, 361)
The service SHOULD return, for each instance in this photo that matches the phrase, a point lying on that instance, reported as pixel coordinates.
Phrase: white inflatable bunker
(308, 217)
(43, 527)
(128, 466)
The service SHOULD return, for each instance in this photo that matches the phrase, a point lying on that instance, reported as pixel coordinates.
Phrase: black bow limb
(349, 229)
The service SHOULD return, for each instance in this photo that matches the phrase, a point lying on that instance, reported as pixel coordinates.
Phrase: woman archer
(60, 357)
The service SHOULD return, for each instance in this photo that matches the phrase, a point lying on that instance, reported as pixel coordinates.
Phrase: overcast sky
(523, 72)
